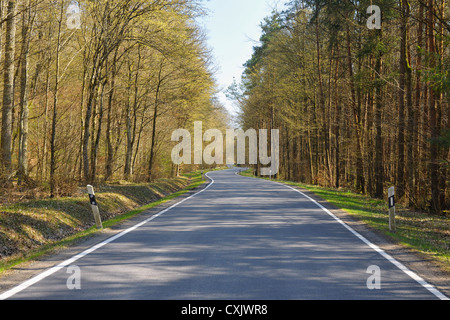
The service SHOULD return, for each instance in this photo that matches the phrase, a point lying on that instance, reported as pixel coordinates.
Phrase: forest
(357, 107)
(92, 89)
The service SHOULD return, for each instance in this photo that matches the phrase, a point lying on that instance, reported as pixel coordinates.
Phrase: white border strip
(10, 293)
(399, 265)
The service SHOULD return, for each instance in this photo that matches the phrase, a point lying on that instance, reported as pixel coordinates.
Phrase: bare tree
(8, 89)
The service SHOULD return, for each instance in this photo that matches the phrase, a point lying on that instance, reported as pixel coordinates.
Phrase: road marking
(388, 257)
(49, 272)
(10, 293)
(391, 259)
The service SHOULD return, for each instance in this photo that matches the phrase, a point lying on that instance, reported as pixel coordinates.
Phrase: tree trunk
(337, 123)
(411, 124)
(444, 123)
(379, 166)
(55, 104)
(24, 110)
(1, 28)
(434, 166)
(324, 127)
(129, 147)
(418, 106)
(357, 119)
(109, 147)
(155, 115)
(400, 180)
(8, 89)
(98, 135)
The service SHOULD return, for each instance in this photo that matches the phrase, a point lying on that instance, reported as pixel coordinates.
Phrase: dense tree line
(91, 90)
(357, 107)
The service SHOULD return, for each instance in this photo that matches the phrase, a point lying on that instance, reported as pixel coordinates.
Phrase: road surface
(238, 239)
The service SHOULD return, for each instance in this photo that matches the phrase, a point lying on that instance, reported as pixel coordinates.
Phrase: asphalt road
(238, 239)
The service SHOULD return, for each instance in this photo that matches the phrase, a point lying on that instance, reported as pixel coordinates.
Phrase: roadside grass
(196, 181)
(32, 229)
(422, 232)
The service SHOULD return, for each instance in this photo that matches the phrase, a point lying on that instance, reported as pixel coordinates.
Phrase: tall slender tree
(8, 88)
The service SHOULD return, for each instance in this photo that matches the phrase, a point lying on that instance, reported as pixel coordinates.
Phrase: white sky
(233, 29)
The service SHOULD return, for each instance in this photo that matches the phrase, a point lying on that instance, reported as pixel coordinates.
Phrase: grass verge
(421, 232)
(32, 229)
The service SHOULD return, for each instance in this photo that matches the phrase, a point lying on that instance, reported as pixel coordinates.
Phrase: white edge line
(10, 293)
(388, 257)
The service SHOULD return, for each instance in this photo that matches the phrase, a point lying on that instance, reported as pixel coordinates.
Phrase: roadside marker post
(392, 225)
(94, 205)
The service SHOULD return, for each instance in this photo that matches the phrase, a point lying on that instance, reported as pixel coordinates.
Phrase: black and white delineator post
(94, 205)
(392, 226)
